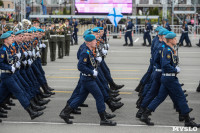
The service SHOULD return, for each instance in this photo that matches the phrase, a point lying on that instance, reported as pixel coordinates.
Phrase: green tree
(64, 11)
(1, 3)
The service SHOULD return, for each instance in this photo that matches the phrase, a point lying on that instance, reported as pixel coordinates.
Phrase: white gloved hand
(95, 73)
(178, 69)
(43, 45)
(24, 62)
(26, 54)
(29, 62)
(18, 55)
(104, 51)
(108, 46)
(33, 52)
(99, 59)
(38, 54)
(18, 64)
(40, 46)
(29, 53)
(13, 68)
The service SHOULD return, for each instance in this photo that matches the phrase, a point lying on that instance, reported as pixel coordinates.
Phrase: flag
(115, 16)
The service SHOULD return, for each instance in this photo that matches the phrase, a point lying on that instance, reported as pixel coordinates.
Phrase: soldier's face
(101, 32)
(160, 38)
(9, 40)
(19, 38)
(3, 22)
(174, 41)
(96, 35)
(93, 43)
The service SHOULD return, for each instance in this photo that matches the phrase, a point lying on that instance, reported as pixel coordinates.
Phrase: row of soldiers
(60, 35)
(95, 78)
(22, 75)
(161, 80)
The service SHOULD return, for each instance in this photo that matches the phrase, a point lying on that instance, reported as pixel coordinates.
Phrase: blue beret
(5, 35)
(100, 28)
(19, 32)
(29, 31)
(11, 32)
(166, 32)
(40, 30)
(102, 19)
(95, 30)
(147, 19)
(162, 31)
(170, 35)
(88, 31)
(158, 28)
(89, 38)
(166, 19)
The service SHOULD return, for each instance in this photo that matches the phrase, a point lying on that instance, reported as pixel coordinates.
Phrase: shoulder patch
(4, 48)
(88, 51)
(163, 46)
(2, 56)
(85, 60)
(169, 49)
(168, 56)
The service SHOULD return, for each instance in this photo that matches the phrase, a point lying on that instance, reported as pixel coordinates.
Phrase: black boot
(65, 114)
(35, 107)
(198, 88)
(131, 44)
(40, 102)
(187, 45)
(182, 84)
(75, 111)
(32, 113)
(110, 116)
(3, 115)
(114, 94)
(139, 101)
(145, 117)
(3, 111)
(180, 44)
(5, 107)
(126, 44)
(49, 88)
(190, 45)
(114, 91)
(46, 91)
(84, 105)
(114, 86)
(182, 118)
(115, 99)
(144, 44)
(189, 122)
(114, 106)
(104, 121)
(140, 111)
(137, 89)
(79, 109)
(0, 121)
(43, 95)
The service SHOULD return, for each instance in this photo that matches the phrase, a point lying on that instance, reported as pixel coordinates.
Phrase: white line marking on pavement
(136, 40)
(82, 124)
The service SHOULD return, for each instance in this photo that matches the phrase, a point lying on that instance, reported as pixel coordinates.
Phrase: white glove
(108, 46)
(95, 73)
(24, 62)
(43, 45)
(18, 64)
(40, 46)
(29, 62)
(38, 54)
(33, 52)
(13, 68)
(99, 59)
(104, 51)
(178, 69)
(29, 53)
(18, 55)
(26, 54)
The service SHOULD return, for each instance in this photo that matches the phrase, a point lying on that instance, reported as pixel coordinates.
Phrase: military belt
(6, 71)
(53, 36)
(45, 41)
(61, 36)
(158, 70)
(129, 30)
(86, 75)
(169, 74)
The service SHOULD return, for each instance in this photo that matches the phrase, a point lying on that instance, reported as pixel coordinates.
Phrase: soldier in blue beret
(166, 24)
(147, 30)
(128, 33)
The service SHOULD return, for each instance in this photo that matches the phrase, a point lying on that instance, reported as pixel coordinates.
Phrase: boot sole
(66, 121)
(38, 115)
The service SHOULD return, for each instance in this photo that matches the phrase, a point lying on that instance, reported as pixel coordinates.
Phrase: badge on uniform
(160, 51)
(168, 56)
(85, 60)
(2, 55)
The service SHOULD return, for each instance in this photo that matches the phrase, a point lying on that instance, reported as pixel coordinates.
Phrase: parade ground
(127, 65)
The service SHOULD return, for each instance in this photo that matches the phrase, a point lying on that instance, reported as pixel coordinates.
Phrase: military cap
(11, 32)
(3, 18)
(170, 35)
(162, 31)
(87, 32)
(166, 32)
(19, 32)
(89, 38)
(147, 19)
(96, 30)
(36, 20)
(5, 35)
(15, 21)
(100, 28)
(29, 31)
(40, 30)
(158, 28)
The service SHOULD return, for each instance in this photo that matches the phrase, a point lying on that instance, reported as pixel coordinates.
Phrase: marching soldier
(45, 38)
(129, 26)
(74, 24)
(3, 27)
(60, 40)
(68, 34)
(52, 42)
(166, 24)
(147, 31)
